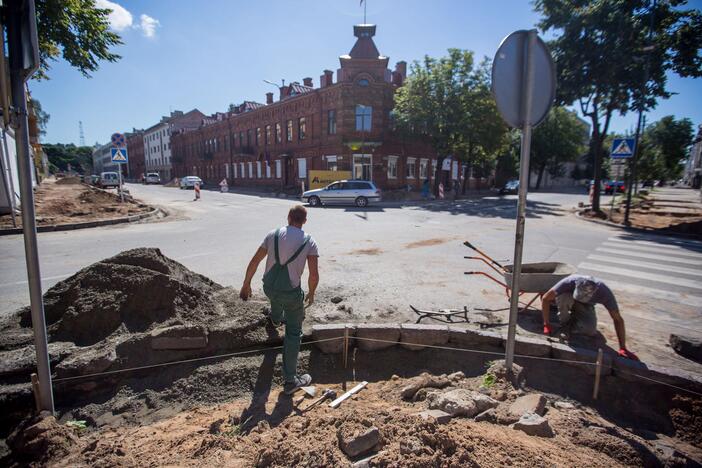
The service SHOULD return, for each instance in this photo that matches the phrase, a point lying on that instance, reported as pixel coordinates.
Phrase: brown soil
(373, 251)
(226, 435)
(67, 201)
(426, 243)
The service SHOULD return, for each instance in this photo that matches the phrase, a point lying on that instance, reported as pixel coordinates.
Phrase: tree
(665, 147)
(613, 56)
(448, 101)
(76, 30)
(60, 156)
(561, 137)
(41, 116)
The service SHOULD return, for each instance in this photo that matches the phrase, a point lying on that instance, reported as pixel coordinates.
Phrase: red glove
(547, 329)
(625, 353)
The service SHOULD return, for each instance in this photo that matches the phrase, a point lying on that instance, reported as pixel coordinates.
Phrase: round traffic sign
(118, 140)
(509, 78)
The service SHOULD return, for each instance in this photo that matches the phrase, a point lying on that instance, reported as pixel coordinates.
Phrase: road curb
(88, 224)
(666, 232)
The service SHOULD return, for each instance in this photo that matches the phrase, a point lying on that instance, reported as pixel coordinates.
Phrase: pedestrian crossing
(659, 266)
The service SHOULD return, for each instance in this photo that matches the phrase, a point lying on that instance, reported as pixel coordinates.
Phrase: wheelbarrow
(536, 278)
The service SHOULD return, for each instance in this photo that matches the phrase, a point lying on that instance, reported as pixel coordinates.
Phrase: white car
(358, 192)
(108, 179)
(188, 182)
(152, 178)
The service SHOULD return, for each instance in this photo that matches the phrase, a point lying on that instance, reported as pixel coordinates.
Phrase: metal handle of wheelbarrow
(495, 262)
(485, 262)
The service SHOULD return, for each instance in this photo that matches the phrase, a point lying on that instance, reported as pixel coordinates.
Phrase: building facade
(343, 124)
(135, 148)
(693, 167)
(157, 140)
(102, 159)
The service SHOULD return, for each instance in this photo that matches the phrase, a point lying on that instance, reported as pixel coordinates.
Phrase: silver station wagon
(357, 192)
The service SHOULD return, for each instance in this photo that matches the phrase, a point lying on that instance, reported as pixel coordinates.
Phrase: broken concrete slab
(687, 346)
(424, 380)
(92, 362)
(456, 376)
(329, 332)
(528, 346)
(413, 336)
(354, 446)
(377, 331)
(535, 425)
(441, 417)
(489, 415)
(587, 357)
(532, 403)
(461, 402)
(564, 405)
(474, 339)
(179, 342)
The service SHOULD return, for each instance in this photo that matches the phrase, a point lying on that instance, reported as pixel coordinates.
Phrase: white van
(108, 179)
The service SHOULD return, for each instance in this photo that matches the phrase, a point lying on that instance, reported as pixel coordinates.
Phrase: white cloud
(148, 25)
(119, 18)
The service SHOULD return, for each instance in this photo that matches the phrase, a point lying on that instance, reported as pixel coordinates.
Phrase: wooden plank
(347, 395)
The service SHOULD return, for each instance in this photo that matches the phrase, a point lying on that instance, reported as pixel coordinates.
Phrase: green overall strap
(275, 243)
(294, 256)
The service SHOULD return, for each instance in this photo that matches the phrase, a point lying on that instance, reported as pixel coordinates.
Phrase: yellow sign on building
(319, 179)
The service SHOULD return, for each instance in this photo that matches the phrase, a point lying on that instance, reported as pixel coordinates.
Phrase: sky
(180, 55)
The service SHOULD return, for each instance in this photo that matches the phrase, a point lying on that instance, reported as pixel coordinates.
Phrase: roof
(296, 89)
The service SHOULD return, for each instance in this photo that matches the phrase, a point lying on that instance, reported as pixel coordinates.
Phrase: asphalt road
(386, 257)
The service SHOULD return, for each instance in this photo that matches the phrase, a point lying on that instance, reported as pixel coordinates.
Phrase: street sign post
(524, 87)
(119, 156)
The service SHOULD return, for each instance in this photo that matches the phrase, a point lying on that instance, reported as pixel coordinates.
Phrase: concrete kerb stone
(179, 337)
(332, 330)
(418, 334)
(87, 224)
(377, 331)
(527, 346)
(587, 356)
(475, 339)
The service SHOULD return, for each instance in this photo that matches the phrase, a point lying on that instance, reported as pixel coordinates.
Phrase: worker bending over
(576, 296)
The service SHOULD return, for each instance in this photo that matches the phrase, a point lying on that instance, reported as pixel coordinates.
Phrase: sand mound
(128, 293)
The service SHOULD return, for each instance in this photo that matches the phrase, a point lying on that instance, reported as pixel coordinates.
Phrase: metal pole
(24, 163)
(632, 170)
(121, 192)
(527, 98)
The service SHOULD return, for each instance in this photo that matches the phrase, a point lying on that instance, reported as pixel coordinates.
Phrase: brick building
(135, 146)
(343, 124)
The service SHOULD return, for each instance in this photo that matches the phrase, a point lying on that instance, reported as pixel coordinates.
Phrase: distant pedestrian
(197, 191)
(287, 250)
(425, 189)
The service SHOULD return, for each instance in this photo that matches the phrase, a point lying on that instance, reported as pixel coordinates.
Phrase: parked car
(152, 178)
(512, 186)
(188, 182)
(108, 179)
(358, 192)
(612, 186)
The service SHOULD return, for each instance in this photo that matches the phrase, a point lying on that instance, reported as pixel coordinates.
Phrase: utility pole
(82, 135)
(24, 61)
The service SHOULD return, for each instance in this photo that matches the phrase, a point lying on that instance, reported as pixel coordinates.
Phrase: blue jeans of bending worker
(288, 306)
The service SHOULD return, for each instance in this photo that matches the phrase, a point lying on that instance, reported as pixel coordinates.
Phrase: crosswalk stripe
(644, 248)
(666, 258)
(660, 294)
(652, 266)
(642, 275)
(679, 241)
(672, 245)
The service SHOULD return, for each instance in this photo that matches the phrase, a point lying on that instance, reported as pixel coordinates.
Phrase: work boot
(299, 381)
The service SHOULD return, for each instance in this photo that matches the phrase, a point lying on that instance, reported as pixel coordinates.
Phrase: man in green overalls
(287, 250)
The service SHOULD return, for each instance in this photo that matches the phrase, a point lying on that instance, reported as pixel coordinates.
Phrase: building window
(241, 139)
(258, 169)
(364, 115)
(423, 169)
(278, 172)
(234, 170)
(248, 137)
(258, 136)
(268, 135)
(301, 128)
(278, 133)
(411, 172)
(250, 170)
(392, 167)
(288, 132)
(268, 169)
(331, 122)
(363, 82)
(332, 164)
(302, 168)
(243, 174)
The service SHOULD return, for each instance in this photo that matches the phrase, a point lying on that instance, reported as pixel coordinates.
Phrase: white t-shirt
(290, 239)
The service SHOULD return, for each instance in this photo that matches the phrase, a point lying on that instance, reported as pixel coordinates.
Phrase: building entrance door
(288, 172)
(363, 166)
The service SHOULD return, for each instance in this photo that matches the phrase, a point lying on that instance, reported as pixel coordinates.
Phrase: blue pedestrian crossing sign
(119, 155)
(622, 148)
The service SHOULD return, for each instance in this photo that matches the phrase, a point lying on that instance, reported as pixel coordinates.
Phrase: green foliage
(448, 101)
(560, 138)
(488, 380)
(664, 147)
(79, 425)
(76, 30)
(613, 56)
(42, 117)
(60, 156)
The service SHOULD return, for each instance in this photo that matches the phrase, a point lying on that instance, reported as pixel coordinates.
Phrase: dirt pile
(378, 423)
